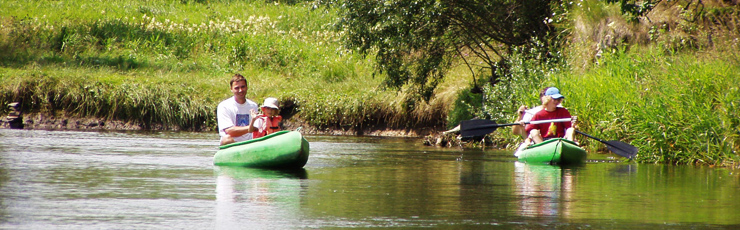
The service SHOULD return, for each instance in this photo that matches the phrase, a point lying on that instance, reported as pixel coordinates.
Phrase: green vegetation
(669, 86)
(165, 63)
(662, 75)
(681, 108)
(416, 42)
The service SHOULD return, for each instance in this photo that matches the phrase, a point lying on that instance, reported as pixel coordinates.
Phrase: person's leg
(569, 134)
(527, 142)
(536, 136)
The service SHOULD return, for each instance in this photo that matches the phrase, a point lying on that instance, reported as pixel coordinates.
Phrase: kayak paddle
(617, 147)
(480, 127)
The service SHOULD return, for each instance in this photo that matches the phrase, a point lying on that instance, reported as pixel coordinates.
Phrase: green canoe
(558, 151)
(283, 150)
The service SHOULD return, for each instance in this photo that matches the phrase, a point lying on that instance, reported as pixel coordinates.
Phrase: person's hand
(522, 109)
(253, 114)
(573, 122)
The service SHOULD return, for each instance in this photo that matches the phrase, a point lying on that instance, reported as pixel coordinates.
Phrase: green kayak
(283, 150)
(558, 151)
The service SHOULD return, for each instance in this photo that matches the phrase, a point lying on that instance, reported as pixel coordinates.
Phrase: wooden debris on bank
(452, 138)
(14, 120)
(443, 140)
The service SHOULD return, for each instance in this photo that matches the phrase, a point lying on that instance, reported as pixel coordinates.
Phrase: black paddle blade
(621, 148)
(617, 147)
(477, 127)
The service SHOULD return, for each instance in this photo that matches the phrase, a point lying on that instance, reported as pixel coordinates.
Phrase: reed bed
(679, 109)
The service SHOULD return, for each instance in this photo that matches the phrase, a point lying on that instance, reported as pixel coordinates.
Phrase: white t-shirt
(528, 114)
(230, 113)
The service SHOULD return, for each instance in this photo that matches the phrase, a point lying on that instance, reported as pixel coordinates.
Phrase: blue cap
(554, 93)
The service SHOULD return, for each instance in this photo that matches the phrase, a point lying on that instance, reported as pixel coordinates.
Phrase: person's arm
(251, 127)
(255, 125)
(225, 119)
(567, 115)
(519, 129)
(236, 131)
(569, 128)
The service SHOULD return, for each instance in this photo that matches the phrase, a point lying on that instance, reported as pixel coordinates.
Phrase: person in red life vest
(541, 132)
(269, 121)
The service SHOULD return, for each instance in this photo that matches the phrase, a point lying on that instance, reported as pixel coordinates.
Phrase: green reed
(167, 105)
(680, 109)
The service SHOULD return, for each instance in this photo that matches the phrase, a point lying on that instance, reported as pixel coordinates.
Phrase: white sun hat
(271, 102)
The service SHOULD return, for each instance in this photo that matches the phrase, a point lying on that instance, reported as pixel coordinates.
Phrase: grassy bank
(168, 63)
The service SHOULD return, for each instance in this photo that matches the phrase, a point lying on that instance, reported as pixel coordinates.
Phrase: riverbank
(156, 63)
(666, 85)
(64, 122)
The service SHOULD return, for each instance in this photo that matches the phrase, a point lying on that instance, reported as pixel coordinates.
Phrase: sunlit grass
(679, 109)
(168, 63)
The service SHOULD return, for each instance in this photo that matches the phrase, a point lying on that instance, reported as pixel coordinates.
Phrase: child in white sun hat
(269, 121)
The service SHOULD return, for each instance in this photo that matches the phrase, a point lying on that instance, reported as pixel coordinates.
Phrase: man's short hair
(236, 78)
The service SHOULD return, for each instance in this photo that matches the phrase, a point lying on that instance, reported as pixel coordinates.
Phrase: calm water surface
(134, 180)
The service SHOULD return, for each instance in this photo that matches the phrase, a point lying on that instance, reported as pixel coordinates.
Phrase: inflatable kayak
(280, 150)
(556, 151)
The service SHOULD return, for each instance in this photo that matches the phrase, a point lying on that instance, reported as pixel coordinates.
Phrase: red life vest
(269, 125)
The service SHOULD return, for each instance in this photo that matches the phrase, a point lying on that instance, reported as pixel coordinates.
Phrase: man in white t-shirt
(234, 114)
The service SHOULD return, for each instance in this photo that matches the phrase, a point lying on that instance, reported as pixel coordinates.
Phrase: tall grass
(162, 105)
(168, 62)
(668, 84)
(680, 109)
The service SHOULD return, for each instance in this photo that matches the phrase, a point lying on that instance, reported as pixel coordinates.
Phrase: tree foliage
(416, 41)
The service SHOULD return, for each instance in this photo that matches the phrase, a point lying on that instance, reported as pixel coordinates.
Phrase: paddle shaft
(529, 122)
(592, 137)
(480, 127)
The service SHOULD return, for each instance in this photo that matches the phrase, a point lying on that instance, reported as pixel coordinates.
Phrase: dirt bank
(64, 122)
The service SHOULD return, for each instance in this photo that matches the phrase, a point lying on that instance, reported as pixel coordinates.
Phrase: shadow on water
(249, 173)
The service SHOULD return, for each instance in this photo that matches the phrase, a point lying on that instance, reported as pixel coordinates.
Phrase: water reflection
(248, 198)
(624, 170)
(545, 190)
(109, 180)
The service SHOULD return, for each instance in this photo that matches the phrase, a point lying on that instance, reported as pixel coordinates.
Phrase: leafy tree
(416, 41)
(635, 8)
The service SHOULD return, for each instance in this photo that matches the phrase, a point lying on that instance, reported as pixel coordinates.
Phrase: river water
(166, 180)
